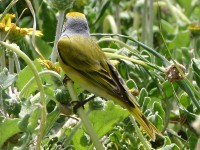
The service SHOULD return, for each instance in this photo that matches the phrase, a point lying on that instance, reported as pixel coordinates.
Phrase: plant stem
(11, 63)
(30, 6)
(185, 84)
(147, 25)
(176, 12)
(74, 130)
(165, 62)
(3, 59)
(15, 49)
(58, 33)
(111, 55)
(3, 64)
(139, 134)
(136, 61)
(137, 19)
(117, 17)
(37, 10)
(2, 110)
(12, 3)
(17, 64)
(118, 41)
(43, 73)
(134, 51)
(111, 21)
(111, 50)
(84, 118)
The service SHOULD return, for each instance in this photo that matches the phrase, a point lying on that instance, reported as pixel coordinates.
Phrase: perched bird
(84, 62)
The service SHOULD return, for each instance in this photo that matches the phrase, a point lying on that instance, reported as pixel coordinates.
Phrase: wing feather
(78, 52)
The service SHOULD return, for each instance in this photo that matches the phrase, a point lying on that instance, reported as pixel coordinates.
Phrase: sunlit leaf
(104, 120)
(24, 76)
(8, 128)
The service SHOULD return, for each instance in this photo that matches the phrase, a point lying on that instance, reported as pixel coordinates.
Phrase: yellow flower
(49, 65)
(12, 31)
(195, 28)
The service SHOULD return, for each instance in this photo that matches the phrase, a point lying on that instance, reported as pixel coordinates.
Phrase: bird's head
(76, 24)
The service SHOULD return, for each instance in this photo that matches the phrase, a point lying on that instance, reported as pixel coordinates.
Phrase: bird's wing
(78, 52)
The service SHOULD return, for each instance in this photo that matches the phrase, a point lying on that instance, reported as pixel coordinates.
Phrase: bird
(84, 62)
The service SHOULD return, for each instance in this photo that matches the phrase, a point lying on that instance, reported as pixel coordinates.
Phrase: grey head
(75, 25)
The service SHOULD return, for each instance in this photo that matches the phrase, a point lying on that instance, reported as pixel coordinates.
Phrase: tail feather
(129, 101)
(150, 129)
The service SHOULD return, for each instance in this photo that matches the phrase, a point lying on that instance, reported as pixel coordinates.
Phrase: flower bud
(60, 4)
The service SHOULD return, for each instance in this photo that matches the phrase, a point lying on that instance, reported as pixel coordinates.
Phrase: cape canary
(84, 62)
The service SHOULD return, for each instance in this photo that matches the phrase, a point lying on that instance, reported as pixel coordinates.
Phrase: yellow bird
(84, 62)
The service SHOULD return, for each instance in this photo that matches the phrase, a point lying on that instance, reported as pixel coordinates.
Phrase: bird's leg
(78, 103)
(82, 103)
(66, 78)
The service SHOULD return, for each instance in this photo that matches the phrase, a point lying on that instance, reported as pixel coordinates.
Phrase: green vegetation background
(158, 33)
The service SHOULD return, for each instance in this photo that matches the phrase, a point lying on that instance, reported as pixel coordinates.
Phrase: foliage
(156, 51)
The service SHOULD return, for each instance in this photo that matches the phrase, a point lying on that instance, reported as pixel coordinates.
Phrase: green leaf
(196, 65)
(185, 100)
(122, 68)
(196, 68)
(24, 76)
(157, 120)
(6, 79)
(51, 119)
(188, 113)
(197, 78)
(103, 8)
(131, 84)
(25, 21)
(33, 120)
(43, 47)
(143, 94)
(186, 56)
(115, 137)
(167, 140)
(192, 140)
(186, 5)
(12, 106)
(23, 124)
(181, 40)
(80, 140)
(167, 88)
(170, 147)
(49, 23)
(147, 100)
(158, 109)
(104, 120)
(8, 128)
(168, 27)
(154, 92)
(146, 55)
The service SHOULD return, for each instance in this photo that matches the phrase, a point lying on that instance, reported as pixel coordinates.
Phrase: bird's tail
(128, 101)
(150, 129)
